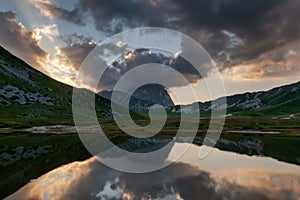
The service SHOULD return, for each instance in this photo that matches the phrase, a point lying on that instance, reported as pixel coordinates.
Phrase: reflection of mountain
(137, 154)
(145, 145)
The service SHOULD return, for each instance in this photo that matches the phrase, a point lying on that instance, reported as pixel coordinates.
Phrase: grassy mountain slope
(27, 95)
(284, 100)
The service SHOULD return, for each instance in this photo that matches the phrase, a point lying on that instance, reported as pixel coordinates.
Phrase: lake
(220, 175)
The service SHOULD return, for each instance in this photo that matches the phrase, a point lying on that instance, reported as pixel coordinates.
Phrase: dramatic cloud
(26, 45)
(279, 63)
(23, 43)
(128, 60)
(253, 30)
(51, 10)
(138, 57)
(233, 31)
(49, 31)
(249, 40)
(76, 49)
(116, 16)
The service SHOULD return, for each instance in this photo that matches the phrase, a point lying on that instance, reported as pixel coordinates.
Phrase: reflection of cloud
(272, 184)
(91, 180)
(110, 191)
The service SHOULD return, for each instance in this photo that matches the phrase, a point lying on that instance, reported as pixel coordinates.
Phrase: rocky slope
(280, 100)
(144, 97)
(26, 93)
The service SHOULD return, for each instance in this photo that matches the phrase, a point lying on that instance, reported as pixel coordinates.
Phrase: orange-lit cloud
(26, 44)
(245, 46)
(20, 41)
(50, 31)
(279, 63)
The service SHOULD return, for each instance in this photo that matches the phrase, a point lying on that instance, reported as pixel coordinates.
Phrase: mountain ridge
(260, 101)
(28, 94)
(143, 98)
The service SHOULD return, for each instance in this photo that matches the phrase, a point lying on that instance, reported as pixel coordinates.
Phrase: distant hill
(278, 101)
(284, 100)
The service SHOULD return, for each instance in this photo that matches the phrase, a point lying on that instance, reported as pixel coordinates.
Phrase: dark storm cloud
(76, 49)
(143, 56)
(260, 26)
(263, 25)
(75, 52)
(115, 16)
(20, 41)
(279, 63)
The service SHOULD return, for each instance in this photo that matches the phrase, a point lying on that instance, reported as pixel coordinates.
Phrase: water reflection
(222, 175)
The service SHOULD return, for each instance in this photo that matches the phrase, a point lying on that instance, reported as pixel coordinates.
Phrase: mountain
(154, 93)
(27, 94)
(278, 101)
(144, 97)
(284, 100)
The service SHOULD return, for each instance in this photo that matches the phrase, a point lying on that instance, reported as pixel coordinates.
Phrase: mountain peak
(154, 93)
(145, 96)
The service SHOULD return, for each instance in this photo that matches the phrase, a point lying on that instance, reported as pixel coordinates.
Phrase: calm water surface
(221, 175)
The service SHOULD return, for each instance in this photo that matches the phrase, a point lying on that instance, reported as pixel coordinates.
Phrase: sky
(255, 44)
